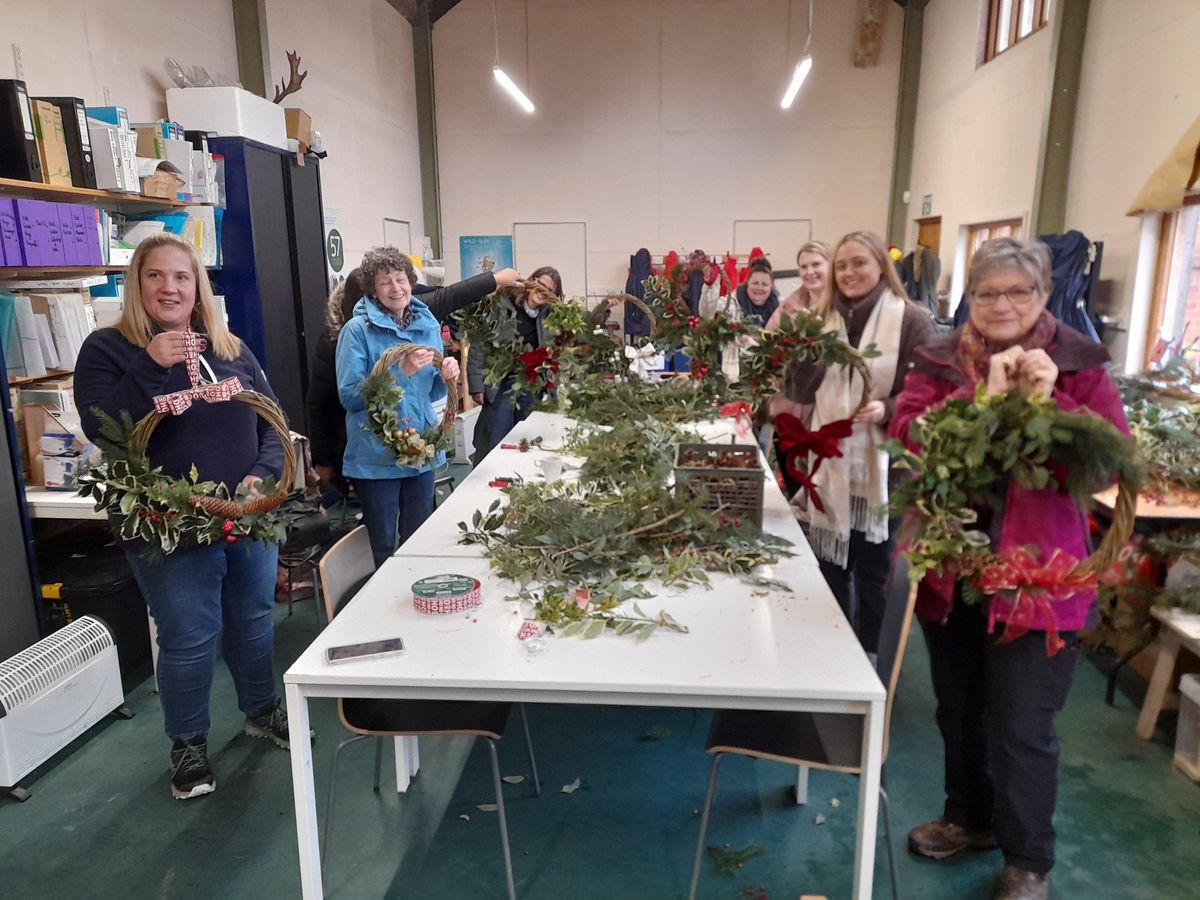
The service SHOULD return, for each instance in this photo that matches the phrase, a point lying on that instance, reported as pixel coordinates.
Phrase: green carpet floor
(101, 822)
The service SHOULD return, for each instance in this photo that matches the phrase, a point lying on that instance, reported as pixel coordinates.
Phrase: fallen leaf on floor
(571, 788)
(728, 860)
(655, 734)
(819, 820)
(486, 807)
(464, 817)
(835, 802)
(513, 779)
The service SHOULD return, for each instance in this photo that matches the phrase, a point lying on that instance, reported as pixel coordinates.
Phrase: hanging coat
(636, 323)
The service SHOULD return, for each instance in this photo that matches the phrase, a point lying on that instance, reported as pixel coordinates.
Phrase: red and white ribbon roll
(446, 594)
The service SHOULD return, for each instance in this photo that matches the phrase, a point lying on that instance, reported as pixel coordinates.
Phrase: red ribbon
(534, 360)
(796, 442)
(181, 401)
(1034, 586)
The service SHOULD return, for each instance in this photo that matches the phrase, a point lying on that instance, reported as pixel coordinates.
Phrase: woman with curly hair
(386, 316)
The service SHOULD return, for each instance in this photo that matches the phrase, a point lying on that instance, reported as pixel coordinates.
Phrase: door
(929, 233)
(398, 233)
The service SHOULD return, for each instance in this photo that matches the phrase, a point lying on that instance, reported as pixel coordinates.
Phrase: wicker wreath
(382, 395)
(600, 313)
(219, 507)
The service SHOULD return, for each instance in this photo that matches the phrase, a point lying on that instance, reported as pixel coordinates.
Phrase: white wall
(978, 128)
(360, 91)
(1140, 92)
(78, 47)
(658, 123)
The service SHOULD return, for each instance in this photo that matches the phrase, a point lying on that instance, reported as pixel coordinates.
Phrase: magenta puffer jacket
(1046, 519)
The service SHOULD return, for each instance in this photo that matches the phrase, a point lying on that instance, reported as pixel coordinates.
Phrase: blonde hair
(819, 247)
(875, 246)
(138, 328)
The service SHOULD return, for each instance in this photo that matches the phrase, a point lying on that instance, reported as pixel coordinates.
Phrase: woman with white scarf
(852, 535)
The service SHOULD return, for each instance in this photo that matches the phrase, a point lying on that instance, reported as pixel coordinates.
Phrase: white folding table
(745, 649)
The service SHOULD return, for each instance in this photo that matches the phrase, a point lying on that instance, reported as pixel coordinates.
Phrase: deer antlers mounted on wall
(295, 80)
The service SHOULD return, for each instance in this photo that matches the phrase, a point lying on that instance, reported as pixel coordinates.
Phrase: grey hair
(1030, 257)
(384, 259)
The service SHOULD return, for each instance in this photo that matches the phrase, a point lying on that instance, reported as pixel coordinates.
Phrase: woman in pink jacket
(996, 704)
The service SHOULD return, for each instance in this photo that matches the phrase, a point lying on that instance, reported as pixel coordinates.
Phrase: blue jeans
(383, 500)
(196, 595)
(497, 418)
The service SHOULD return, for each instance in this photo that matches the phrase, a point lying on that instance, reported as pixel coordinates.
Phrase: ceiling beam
(438, 8)
(406, 8)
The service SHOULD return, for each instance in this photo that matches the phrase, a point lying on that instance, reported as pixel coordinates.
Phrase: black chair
(345, 568)
(820, 740)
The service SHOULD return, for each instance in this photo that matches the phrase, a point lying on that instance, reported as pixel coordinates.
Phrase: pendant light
(499, 74)
(804, 66)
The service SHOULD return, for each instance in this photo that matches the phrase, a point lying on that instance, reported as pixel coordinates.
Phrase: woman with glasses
(851, 534)
(996, 704)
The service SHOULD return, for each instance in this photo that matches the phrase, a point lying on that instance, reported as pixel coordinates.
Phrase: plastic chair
(345, 568)
(820, 740)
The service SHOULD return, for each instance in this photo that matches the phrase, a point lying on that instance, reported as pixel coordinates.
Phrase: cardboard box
(160, 178)
(52, 144)
(150, 142)
(299, 127)
(229, 111)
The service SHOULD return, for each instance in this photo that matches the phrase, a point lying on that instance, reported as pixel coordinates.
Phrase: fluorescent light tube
(802, 69)
(525, 103)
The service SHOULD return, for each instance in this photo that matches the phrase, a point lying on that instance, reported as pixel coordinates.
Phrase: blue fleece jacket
(225, 441)
(361, 342)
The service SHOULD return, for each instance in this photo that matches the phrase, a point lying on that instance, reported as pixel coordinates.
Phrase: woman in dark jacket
(326, 418)
(757, 298)
(502, 409)
(196, 594)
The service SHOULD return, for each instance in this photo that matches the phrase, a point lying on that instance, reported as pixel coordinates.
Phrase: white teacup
(551, 466)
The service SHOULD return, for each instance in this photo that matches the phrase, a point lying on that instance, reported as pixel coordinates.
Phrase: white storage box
(228, 111)
(464, 436)
(1187, 734)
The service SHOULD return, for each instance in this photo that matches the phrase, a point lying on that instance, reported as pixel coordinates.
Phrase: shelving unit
(115, 200)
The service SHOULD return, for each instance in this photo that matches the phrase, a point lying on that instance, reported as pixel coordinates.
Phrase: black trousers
(868, 566)
(995, 709)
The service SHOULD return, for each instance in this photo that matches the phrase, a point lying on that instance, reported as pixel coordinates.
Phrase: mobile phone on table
(372, 649)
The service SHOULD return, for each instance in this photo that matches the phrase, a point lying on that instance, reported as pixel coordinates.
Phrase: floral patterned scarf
(975, 355)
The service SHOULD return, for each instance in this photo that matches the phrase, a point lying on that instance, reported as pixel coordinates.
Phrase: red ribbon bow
(740, 412)
(534, 360)
(796, 442)
(1034, 587)
(181, 401)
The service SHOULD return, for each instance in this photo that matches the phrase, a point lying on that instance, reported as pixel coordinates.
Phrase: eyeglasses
(1016, 296)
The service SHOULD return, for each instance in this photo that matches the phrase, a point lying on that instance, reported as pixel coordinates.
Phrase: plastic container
(230, 112)
(85, 571)
(1187, 733)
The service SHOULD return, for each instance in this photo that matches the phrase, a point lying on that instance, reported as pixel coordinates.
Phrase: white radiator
(54, 691)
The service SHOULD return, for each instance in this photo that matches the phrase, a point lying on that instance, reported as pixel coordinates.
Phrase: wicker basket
(737, 493)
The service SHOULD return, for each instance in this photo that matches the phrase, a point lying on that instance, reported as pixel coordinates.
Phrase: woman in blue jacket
(388, 315)
(198, 594)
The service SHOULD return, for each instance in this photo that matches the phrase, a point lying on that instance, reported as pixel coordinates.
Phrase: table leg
(414, 757)
(305, 795)
(403, 775)
(868, 801)
(801, 785)
(1168, 651)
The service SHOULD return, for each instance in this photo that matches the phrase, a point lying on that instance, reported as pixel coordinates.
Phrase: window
(1011, 21)
(1175, 302)
(985, 231)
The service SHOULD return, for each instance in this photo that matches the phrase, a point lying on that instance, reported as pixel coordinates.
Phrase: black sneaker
(272, 725)
(191, 775)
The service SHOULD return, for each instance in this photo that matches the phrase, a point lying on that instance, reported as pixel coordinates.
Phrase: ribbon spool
(229, 389)
(444, 595)
(394, 356)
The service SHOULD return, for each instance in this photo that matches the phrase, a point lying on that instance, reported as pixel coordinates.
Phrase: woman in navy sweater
(198, 593)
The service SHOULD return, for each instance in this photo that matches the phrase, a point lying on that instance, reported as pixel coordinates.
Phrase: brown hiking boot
(940, 839)
(1017, 884)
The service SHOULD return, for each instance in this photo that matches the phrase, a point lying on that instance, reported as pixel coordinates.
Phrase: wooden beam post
(1048, 214)
(253, 53)
(906, 120)
(431, 194)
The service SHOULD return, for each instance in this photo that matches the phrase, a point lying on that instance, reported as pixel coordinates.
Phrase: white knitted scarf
(854, 486)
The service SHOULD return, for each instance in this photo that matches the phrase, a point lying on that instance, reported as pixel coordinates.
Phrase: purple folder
(48, 219)
(67, 230)
(33, 250)
(10, 234)
(87, 239)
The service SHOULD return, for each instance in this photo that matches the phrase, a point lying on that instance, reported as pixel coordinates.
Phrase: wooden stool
(1179, 629)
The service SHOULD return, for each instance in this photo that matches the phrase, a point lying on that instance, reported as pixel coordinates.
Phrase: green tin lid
(439, 586)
